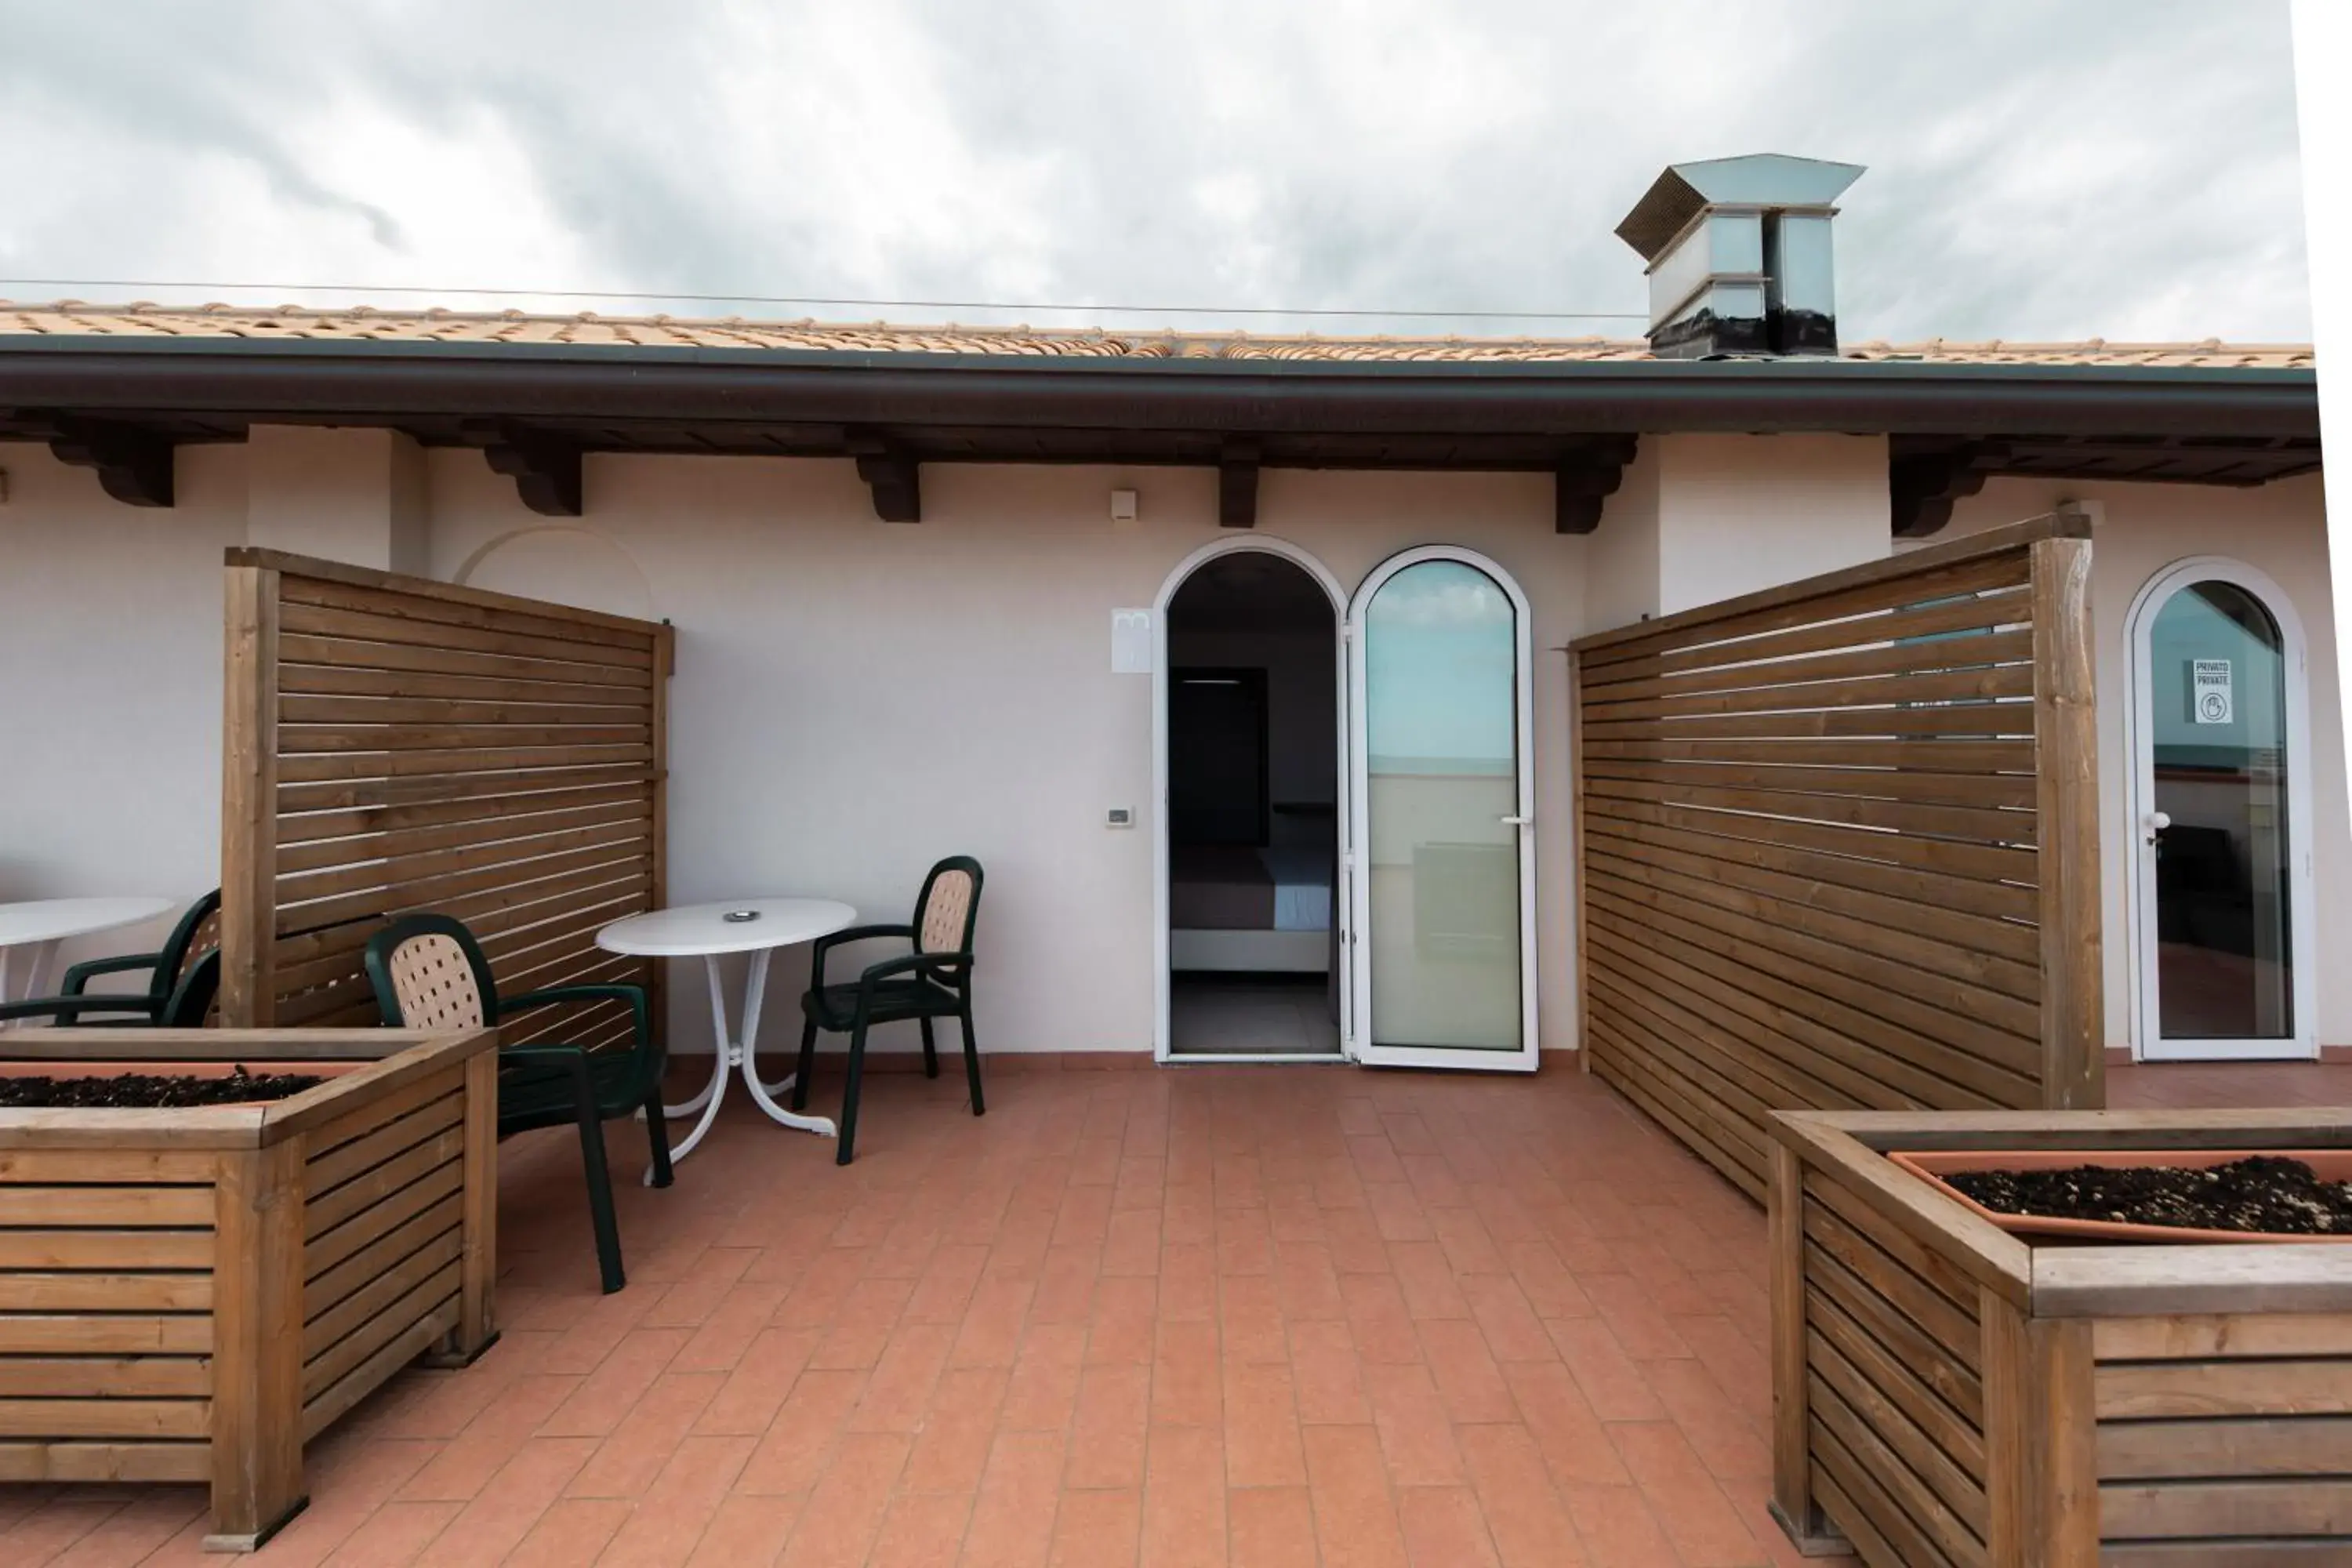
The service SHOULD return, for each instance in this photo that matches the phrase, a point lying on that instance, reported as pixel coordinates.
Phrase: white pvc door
(1441, 861)
(2223, 882)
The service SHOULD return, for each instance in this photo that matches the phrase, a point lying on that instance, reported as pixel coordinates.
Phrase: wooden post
(249, 801)
(1792, 1467)
(657, 969)
(1576, 850)
(2065, 732)
(478, 1318)
(2041, 1437)
(257, 1405)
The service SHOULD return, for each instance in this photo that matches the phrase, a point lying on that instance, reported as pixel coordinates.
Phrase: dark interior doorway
(1252, 811)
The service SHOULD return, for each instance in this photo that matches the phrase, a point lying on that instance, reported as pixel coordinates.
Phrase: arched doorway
(2220, 867)
(1249, 688)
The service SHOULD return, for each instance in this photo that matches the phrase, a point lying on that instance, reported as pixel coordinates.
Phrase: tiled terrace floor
(1254, 1315)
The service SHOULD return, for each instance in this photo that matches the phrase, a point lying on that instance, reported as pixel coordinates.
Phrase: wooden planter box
(193, 1295)
(1945, 1393)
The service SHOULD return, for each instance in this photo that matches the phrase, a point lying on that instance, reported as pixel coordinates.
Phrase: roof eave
(382, 381)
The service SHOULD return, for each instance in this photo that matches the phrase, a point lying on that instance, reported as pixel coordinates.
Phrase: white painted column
(349, 495)
(1702, 518)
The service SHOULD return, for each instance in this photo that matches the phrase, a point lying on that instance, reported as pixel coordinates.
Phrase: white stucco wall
(1700, 518)
(110, 684)
(855, 699)
(815, 641)
(2279, 528)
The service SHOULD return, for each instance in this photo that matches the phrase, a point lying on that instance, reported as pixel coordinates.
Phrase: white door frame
(2139, 864)
(1358, 1012)
(1266, 544)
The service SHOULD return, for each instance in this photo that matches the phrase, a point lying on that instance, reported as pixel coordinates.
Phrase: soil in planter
(2260, 1194)
(138, 1092)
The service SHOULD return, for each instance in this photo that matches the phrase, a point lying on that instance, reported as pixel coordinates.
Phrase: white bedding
(1302, 887)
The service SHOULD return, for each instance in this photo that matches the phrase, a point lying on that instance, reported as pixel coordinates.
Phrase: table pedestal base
(733, 1051)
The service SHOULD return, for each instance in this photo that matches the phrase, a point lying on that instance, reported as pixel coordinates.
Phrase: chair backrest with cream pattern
(948, 906)
(428, 975)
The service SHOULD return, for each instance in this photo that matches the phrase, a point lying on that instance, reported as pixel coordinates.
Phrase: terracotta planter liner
(1933, 1165)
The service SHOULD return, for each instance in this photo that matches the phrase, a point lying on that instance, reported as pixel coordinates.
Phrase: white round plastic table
(42, 923)
(703, 930)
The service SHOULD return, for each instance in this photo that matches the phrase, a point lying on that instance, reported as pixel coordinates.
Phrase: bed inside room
(1252, 819)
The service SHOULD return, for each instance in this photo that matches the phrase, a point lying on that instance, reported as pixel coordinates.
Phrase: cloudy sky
(2038, 168)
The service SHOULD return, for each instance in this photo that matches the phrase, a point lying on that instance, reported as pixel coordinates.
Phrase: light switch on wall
(1119, 817)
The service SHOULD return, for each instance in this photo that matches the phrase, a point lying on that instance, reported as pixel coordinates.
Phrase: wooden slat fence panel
(396, 745)
(1837, 846)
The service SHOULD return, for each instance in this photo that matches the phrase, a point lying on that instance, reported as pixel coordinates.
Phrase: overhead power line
(829, 302)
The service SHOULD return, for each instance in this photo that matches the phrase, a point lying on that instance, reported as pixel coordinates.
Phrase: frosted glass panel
(2217, 690)
(1441, 721)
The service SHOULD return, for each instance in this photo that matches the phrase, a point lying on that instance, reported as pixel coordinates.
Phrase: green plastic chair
(167, 969)
(934, 981)
(429, 974)
(190, 1005)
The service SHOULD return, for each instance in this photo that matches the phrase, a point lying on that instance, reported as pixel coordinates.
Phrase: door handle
(1517, 821)
(2156, 822)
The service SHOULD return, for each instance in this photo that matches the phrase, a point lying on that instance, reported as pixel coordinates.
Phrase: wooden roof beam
(545, 467)
(133, 464)
(1237, 461)
(1585, 477)
(891, 473)
(1923, 486)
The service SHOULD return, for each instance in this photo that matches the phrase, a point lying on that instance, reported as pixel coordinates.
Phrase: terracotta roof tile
(146, 320)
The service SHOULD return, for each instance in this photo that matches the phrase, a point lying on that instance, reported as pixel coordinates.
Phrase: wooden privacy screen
(397, 745)
(1838, 845)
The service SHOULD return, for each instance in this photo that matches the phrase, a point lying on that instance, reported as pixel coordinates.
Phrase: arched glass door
(2222, 890)
(1443, 855)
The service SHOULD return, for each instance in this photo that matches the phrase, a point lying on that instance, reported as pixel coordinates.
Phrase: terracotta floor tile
(1184, 1499)
(1575, 1448)
(792, 1454)
(958, 1427)
(991, 1332)
(1616, 1527)
(1417, 1434)
(1696, 1515)
(628, 1460)
(1126, 1313)
(396, 1534)
(1355, 1512)
(1187, 1377)
(1444, 1528)
(760, 1383)
(844, 1510)
(1263, 1315)
(921, 1530)
(1468, 1378)
(1013, 1516)
(1043, 1387)
(510, 1502)
(673, 1512)
(1262, 1446)
(1249, 1318)
(608, 1394)
(571, 1531)
(747, 1530)
(1270, 1527)
(1525, 1516)
(1106, 1437)
(1377, 1321)
(1614, 1384)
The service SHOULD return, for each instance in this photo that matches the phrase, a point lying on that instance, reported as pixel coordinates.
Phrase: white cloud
(2125, 168)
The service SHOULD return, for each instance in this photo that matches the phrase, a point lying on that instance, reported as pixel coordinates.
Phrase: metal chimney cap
(1759, 179)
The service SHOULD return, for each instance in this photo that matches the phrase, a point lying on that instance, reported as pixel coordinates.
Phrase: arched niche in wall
(564, 565)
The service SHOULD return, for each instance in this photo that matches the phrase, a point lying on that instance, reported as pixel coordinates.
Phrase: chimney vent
(1739, 255)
